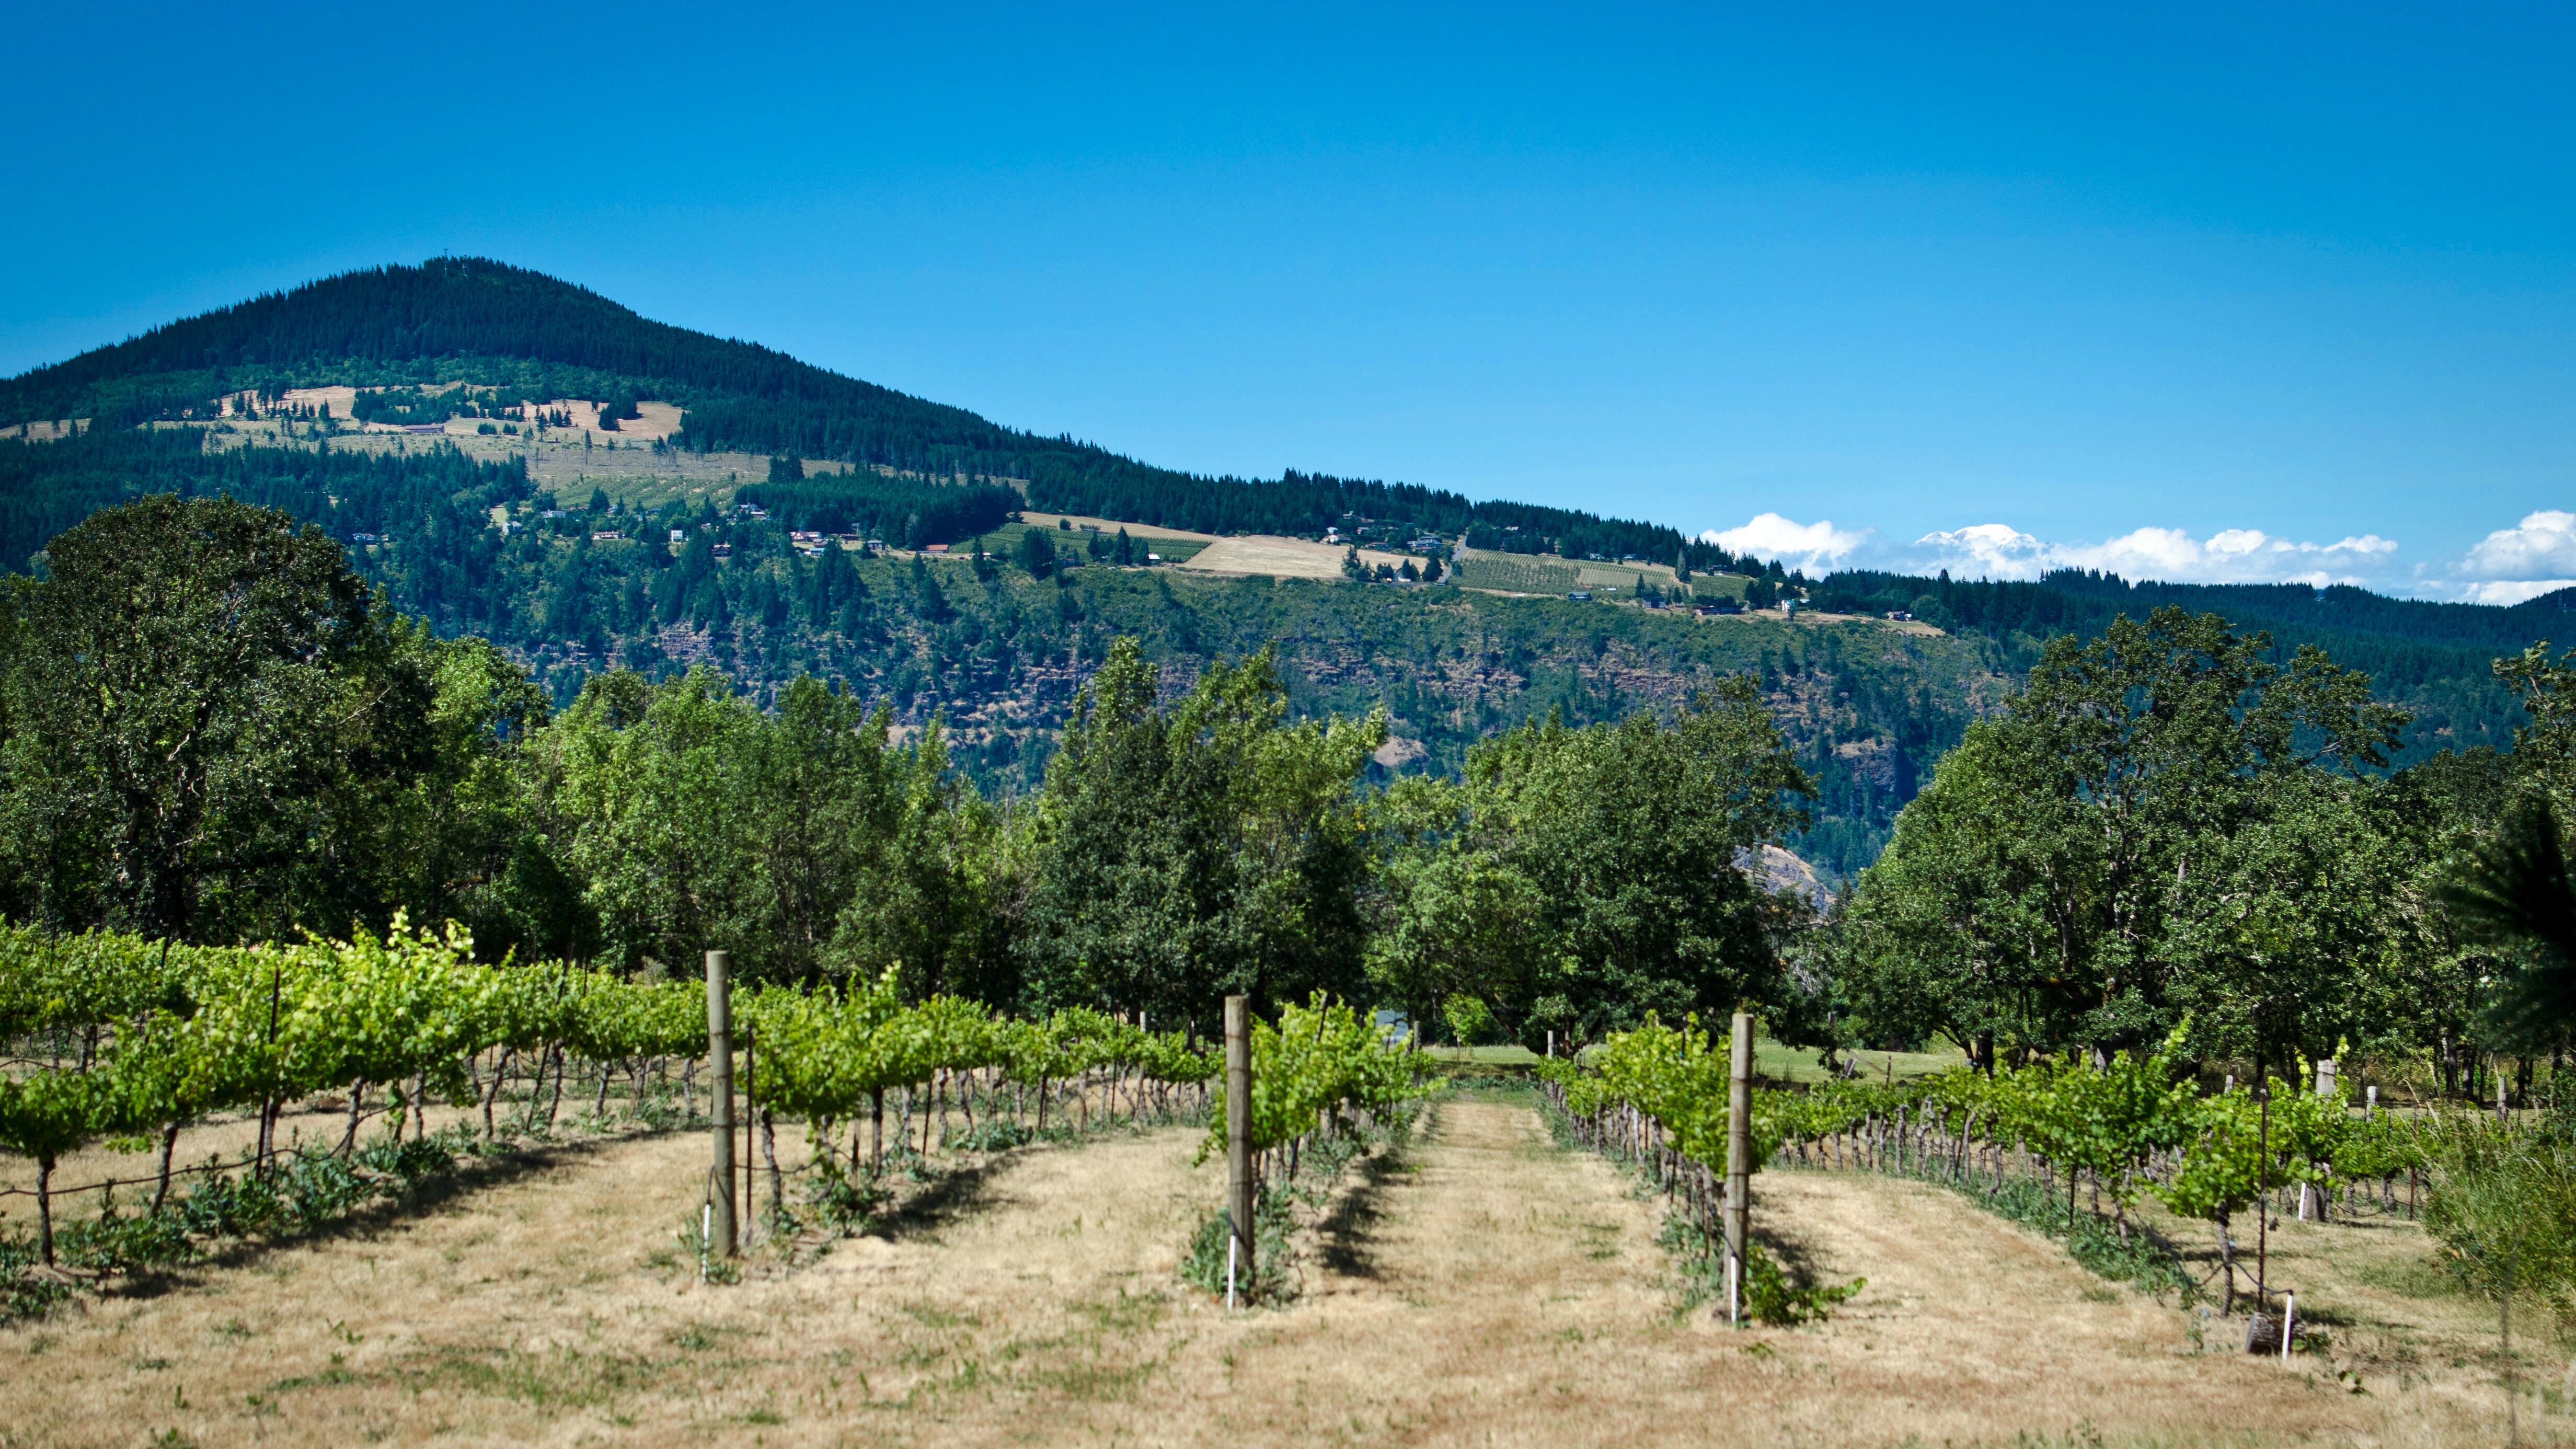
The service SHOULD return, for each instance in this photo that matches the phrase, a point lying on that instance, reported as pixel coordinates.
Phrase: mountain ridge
(460, 309)
(473, 544)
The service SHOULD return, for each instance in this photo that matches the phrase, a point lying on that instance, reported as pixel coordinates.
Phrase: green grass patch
(1073, 546)
(2411, 1276)
(1782, 1062)
(1172, 550)
(1492, 1056)
(562, 1379)
(1777, 1061)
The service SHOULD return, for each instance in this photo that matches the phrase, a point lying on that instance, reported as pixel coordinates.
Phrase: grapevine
(2021, 1139)
(1321, 1066)
(170, 1034)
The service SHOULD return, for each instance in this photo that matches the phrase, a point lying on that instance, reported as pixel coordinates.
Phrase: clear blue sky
(2057, 273)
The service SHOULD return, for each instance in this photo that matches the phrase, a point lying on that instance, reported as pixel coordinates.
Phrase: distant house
(606, 535)
(1901, 616)
(679, 535)
(366, 538)
(1424, 544)
(934, 548)
(1580, 596)
(1153, 558)
(724, 550)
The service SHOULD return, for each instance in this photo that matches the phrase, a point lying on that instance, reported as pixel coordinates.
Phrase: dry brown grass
(40, 432)
(1260, 553)
(1491, 1288)
(1287, 558)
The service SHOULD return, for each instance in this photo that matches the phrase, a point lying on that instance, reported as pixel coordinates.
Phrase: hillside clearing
(1290, 558)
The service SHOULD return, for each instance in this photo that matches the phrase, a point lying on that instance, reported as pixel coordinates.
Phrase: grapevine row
(153, 1035)
(1657, 1096)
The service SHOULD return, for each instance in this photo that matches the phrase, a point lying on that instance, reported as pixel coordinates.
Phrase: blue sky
(2195, 295)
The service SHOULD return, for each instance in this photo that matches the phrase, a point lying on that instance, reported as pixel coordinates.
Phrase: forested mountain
(486, 323)
(571, 584)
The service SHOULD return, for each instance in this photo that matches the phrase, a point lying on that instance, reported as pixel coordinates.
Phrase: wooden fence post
(1238, 1128)
(720, 1232)
(1739, 1158)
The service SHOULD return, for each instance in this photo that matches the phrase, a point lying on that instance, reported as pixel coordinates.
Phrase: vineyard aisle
(1490, 1289)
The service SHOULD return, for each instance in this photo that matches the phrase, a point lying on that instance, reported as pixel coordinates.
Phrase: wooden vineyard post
(2262, 1095)
(720, 1228)
(1739, 1158)
(1238, 1138)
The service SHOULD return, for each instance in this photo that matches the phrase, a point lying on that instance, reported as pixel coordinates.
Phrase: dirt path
(1487, 1289)
(1511, 1293)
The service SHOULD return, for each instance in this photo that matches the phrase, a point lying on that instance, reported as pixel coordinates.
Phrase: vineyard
(1368, 1172)
(2241, 983)
(2048, 1145)
(144, 1038)
(1515, 574)
(868, 1115)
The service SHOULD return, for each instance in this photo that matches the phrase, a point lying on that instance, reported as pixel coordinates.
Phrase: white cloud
(2229, 556)
(1813, 547)
(2510, 565)
(1989, 550)
(2513, 591)
(2541, 547)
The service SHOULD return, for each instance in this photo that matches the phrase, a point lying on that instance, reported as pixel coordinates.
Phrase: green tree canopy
(1629, 837)
(2165, 821)
(1181, 853)
(198, 697)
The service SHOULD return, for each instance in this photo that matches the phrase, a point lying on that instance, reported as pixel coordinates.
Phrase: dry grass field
(42, 432)
(1084, 521)
(1485, 1286)
(1290, 558)
(1286, 558)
